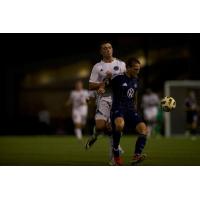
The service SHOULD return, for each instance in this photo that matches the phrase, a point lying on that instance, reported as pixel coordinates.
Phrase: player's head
(133, 67)
(79, 85)
(192, 94)
(106, 50)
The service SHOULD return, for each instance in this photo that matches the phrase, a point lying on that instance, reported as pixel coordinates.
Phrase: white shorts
(79, 115)
(150, 113)
(103, 110)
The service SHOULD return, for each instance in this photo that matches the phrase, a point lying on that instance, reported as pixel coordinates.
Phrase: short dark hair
(104, 42)
(131, 61)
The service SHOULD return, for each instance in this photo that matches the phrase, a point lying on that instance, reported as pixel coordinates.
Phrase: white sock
(111, 148)
(120, 149)
(78, 133)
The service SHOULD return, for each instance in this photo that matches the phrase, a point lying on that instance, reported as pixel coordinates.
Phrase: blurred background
(38, 71)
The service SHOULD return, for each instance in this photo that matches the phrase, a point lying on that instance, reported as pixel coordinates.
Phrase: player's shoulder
(98, 64)
(118, 77)
(73, 92)
(120, 61)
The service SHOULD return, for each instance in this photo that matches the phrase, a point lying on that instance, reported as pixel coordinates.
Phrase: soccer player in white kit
(150, 105)
(78, 98)
(102, 71)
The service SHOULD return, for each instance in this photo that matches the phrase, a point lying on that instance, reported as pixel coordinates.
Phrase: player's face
(106, 50)
(134, 70)
(79, 85)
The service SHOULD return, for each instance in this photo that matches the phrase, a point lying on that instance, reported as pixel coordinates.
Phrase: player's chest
(128, 88)
(78, 96)
(113, 68)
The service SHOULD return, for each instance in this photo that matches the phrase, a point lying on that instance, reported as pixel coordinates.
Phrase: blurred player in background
(99, 81)
(78, 99)
(124, 111)
(150, 106)
(192, 108)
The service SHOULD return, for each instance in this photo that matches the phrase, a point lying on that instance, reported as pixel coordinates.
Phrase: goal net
(175, 121)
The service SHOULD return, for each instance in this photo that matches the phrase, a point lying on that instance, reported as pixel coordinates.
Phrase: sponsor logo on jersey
(130, 93)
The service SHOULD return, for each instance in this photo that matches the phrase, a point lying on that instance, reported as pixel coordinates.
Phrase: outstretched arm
(96, 86)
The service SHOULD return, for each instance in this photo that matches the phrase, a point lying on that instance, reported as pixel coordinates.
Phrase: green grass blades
(68, 151)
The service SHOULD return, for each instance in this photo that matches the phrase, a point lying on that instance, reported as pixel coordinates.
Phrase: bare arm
(96, 86)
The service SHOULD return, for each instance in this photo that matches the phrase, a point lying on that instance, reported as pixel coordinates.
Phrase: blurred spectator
(44, 121)
(78, 99)
(150, 106)
(44, 117)
(191, 108)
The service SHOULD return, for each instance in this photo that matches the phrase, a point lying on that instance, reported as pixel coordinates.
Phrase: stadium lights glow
(83, 73)
(142, 60)
(44, 79)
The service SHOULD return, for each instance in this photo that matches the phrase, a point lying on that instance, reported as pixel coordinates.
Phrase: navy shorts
(131, 117)
(191, 116)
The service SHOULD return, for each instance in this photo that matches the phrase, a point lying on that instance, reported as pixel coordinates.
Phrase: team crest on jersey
(116, 68)
(130, 93)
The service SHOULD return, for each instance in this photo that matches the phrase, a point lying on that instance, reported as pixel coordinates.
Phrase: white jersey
(79, 98)
(98, 74)
(150, 104)
(150, 100)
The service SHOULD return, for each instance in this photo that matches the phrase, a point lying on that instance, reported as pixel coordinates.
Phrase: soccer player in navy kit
(124, 112)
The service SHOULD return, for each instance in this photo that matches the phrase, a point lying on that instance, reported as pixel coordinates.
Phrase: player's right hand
(101, 91)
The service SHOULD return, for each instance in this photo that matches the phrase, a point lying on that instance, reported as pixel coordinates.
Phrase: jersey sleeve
(87, 94)
(92, 94)
(123, 67)
(94, 75)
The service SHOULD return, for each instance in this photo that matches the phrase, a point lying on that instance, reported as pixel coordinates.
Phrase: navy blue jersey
(124, 90)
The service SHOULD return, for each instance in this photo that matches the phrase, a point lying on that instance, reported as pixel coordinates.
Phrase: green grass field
(66, 150)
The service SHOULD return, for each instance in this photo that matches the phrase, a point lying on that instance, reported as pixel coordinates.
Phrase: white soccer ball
(168, 104)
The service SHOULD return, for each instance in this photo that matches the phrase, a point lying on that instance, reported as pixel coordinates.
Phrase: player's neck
(108, 59)
(127, 74)
(78, 90)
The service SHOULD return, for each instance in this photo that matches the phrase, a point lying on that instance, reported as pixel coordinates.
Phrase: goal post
(175, 121)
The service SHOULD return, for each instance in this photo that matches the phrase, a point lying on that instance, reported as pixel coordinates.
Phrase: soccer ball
(168, 104)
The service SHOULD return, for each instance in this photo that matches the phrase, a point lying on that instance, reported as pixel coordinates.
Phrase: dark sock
(140, 143)
(96, 132)
(116, 141)
(108, 133)
(116, 152)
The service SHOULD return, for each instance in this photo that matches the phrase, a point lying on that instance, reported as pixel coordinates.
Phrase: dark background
(168, 57)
